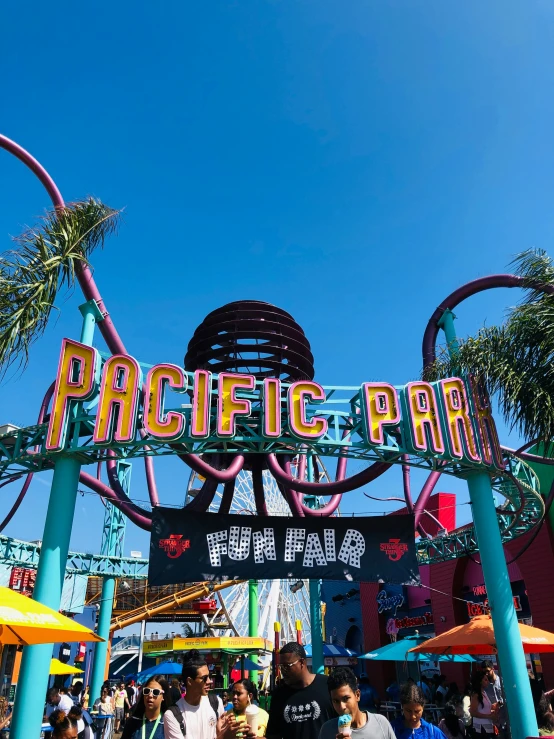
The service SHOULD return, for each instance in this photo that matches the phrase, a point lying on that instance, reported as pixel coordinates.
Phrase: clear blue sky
(352, 162)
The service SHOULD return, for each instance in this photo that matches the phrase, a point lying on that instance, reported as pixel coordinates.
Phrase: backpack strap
(214, 703)
(176, 711)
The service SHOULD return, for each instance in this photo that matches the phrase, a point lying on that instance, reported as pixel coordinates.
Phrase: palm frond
(516, 360)
(46, 259)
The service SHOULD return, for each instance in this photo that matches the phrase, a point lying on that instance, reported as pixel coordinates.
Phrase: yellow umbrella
(25, 621)
(58, 668)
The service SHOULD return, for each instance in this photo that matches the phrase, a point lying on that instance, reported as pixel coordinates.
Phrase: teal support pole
(519, 700)
(103, 630)
(35, 663)
(253, 622)
(316, 625)
(446, 322)
(113, 536)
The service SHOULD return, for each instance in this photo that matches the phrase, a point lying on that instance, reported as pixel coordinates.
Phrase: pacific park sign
(449, 419)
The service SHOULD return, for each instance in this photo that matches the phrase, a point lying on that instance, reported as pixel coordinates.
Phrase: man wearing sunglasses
(301, 704)
(200, 714)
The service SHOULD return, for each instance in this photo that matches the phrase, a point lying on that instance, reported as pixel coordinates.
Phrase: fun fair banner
(187, 547)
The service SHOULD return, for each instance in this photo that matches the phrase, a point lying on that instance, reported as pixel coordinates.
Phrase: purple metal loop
(461, 294)
(135, 514)
(29, 477)
(90, 292)
(206, 470)
(327, 488)
(227, 497)
(259, 494)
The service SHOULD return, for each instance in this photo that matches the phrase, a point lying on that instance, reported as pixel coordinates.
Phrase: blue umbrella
(248, 665)
(164, 668)
(397, 651)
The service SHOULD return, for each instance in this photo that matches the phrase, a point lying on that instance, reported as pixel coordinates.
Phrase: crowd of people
(303, 706)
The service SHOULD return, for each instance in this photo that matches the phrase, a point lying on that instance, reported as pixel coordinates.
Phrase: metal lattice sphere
(251, 337)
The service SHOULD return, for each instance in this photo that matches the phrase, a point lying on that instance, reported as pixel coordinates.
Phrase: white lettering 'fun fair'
(353, 546)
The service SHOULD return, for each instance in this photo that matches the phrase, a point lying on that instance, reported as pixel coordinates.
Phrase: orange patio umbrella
(477, 637)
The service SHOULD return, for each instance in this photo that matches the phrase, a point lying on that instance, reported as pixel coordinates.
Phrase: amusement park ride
(256, 434)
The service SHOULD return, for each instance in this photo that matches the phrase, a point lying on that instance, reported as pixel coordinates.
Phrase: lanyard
(153, 730)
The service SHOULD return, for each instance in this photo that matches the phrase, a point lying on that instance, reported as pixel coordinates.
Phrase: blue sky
(351, 162)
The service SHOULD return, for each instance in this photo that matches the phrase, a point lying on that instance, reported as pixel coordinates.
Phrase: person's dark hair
(411, 693)
(342, 676)
(138, 710)
(248, 686)
(77, 687)
(476, 687)
(60, 721)
(451, 719)
(486, 664)
(52, 693)
(191, 663)
(75, 712)
(543, 707)
(547, 721)
(293, 647)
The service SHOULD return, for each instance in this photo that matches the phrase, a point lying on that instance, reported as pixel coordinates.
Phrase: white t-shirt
(65, 704)
(200, 721)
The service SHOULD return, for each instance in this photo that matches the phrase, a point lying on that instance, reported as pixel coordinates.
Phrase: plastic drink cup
(345, 724)
(251, 714)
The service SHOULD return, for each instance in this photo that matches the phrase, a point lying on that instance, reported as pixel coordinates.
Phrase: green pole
(35, 664)
(103, 630)
(253, 622)
(519, 701)
(225, 670)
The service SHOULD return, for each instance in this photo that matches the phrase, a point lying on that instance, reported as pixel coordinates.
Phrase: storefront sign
(209, 643)
(482, 609)
(81, 652)
(450, 419)
(188, 546)
(64, 653)
(414, 621)
(386, 602)
(22, 580)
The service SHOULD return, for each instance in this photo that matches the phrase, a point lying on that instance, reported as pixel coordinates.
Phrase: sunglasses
(155, 691)
(204, 678)
(285, 666)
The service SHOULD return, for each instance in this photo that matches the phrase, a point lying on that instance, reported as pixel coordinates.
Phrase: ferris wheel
(285, 601)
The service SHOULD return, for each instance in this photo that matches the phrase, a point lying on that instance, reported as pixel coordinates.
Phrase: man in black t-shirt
(301, 704)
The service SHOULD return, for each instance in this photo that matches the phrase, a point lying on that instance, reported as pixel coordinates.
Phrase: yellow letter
(380, 401)
(121, 381)
(460, 436)
(422, 409)
(77, 380)
(172, 425)
(299, 392)
(228, 405)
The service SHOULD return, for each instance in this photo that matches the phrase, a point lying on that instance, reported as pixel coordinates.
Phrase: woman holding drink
(243, 693)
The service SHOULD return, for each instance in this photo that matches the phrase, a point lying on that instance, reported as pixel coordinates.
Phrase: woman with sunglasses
(147, 718)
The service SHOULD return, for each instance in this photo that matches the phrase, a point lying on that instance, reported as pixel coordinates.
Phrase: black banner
(188, 547)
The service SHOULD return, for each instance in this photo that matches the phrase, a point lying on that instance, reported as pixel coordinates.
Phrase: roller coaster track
(522, 509)
(26, 554)
(190, 593)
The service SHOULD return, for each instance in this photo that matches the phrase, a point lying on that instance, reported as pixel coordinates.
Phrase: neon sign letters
(450, 419)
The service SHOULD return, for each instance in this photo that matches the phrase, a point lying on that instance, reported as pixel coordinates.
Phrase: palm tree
(516, 359)
(47, 258)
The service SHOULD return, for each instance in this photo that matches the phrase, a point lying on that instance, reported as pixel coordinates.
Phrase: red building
(453, 591)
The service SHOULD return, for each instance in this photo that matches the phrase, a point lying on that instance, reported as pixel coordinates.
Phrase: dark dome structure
(251, 337)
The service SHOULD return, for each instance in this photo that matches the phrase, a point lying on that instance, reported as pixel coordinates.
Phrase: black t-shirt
(300, 714)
